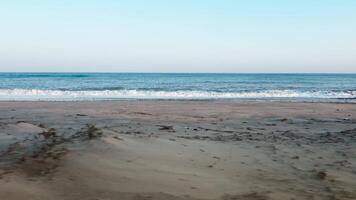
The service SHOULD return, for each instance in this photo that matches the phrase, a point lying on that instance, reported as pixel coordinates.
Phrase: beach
(168, 149)
(178, 100)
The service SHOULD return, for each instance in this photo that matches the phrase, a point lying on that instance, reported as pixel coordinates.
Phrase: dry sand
(177, 150)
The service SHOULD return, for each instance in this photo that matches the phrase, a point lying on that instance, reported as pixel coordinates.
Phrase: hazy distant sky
(178, 35)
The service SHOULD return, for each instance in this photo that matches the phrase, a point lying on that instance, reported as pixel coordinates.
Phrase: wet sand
(174, 150)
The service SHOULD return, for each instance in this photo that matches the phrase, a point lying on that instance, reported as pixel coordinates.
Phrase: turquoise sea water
(108, 86)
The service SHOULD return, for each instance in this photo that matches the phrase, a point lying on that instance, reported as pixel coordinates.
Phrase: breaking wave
(60, 95)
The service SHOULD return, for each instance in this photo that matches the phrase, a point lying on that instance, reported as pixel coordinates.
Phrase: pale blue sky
(178, 35)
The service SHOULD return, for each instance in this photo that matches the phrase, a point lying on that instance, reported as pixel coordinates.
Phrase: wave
(58, 95)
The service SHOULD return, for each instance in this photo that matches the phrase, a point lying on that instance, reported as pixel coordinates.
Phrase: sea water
(115, 86)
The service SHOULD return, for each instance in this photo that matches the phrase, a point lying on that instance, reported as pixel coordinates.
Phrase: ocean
(116, 86)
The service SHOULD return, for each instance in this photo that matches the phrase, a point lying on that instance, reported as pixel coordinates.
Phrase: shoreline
(234, 100)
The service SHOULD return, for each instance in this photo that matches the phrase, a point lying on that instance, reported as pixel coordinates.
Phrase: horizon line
(143, 72)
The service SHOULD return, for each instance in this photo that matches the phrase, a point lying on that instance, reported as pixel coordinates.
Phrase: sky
(178, 36)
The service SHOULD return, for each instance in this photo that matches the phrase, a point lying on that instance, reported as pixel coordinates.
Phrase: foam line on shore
(36, 94)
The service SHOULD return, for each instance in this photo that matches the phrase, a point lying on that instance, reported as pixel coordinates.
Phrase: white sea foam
(58, 95)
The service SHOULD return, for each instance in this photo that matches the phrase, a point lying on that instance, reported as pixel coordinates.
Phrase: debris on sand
(41, 126)
(117, 138)
(141, 113)
(93, 131)
(46, 149)
(81, 115)
(49, 133)
(165, 128)
(284, 120)
(321, 175)
(56, 154)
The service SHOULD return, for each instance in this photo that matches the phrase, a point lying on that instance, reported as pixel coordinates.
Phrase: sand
(177, 150)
